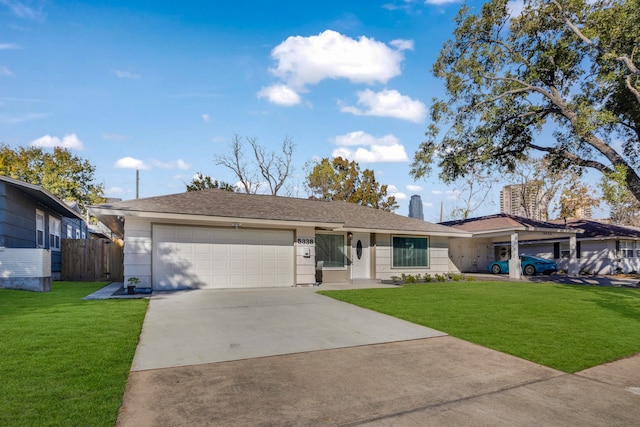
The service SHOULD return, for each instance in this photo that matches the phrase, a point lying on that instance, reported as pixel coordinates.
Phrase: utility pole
(137, 183)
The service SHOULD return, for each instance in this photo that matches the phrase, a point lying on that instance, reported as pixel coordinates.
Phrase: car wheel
(529, 270)
(495, 269)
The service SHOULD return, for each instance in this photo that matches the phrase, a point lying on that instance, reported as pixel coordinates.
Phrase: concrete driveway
(205, 326)
(291, 357)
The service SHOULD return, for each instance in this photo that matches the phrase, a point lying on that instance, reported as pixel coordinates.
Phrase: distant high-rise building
(525, 200)
(415, 207)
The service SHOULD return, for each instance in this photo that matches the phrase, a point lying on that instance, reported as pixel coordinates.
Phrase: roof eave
(102, 212)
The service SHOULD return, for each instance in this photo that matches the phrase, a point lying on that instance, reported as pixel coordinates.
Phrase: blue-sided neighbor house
(33, 223)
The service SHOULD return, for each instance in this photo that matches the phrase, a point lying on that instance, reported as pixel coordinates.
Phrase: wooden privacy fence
(92, 260)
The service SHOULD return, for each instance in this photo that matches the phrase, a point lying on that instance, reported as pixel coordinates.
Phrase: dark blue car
(530, 265)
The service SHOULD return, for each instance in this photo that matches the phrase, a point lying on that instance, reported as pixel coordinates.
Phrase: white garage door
(203, 257)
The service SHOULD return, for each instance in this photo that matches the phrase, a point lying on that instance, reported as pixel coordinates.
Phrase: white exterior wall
(438, 258)
(305, 250)
(137, 250)
(596, 256)
(26, 269)
(15, 262)
(471, 255)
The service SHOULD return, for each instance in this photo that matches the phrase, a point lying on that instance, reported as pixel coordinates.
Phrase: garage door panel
(220, 258)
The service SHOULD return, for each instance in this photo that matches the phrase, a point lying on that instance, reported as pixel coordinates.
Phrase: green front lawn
(569, 328)
(63, 360)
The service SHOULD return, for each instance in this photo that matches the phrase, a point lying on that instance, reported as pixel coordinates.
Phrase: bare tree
(264, 167)
(472, 193)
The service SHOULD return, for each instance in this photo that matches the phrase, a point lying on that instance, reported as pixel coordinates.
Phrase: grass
(565, 327)
(63, 360)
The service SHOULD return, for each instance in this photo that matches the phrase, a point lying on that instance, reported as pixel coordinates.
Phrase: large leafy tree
(341, 179)
(205, 182)
(566, 65)
(625, 208)
(60, 172)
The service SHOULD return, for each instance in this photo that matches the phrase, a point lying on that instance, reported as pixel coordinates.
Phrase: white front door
(360, 256)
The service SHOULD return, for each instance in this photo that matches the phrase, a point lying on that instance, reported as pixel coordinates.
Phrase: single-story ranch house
(504, 237)
(577, 245)
(219, 239)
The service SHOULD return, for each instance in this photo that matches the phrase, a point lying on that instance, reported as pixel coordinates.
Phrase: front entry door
(360, 256)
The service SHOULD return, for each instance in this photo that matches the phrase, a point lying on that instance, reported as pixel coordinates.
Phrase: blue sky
(164, 86)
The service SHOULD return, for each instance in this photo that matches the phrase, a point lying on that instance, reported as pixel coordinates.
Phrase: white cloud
(303, 61)
(70, 141)
(22, 10)
(280, 94)
(10, 120)
(130, 163)
(114, 191)
(4, 71)
(436, 192)
(515, 8)
(412, 187)
(176, 164)
(7, 46)
(331, 55)
(385, 149)
(388, 103)
(399, 196)
(126, 74)
(427, 204)
(362, 138)
(402, 44)
(206, 118)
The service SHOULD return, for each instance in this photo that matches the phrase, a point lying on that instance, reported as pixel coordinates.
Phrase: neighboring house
(33, 223)
(218, 239)
(601, 248)
(504, 237)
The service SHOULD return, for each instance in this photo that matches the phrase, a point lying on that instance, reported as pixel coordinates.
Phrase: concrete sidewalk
(427, 382)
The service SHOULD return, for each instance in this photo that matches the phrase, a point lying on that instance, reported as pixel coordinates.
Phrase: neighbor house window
(626, 248)
(69, 232)
(565, 252)
(330, 250)
(54, 233)
(84, 235)
(39, 229)
(410, 252)
(77, 234)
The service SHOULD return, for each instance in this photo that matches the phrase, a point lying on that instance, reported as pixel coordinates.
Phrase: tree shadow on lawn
(623, 301)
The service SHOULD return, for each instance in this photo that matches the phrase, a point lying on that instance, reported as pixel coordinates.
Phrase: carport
(502, 231)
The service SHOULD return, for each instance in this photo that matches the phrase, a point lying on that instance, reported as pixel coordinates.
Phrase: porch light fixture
(236, 225)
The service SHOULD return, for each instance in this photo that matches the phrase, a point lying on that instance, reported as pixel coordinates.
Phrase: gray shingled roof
(44, 197)
(596, 229)
(501, 221)
(225, 204)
